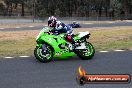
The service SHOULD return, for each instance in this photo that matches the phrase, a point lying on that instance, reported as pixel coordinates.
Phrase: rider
(60, 27)
(52, 21)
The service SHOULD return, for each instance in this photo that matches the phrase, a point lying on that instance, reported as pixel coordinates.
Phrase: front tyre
(87, 53)
(43, 56)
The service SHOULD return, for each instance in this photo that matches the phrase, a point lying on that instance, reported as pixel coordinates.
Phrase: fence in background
(29, 19)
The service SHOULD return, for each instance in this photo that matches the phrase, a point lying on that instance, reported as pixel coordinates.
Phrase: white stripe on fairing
(103, 51)
(2, 28)
(81, 34)
(18, 27)
(31, 26)
(24, 56)
(119, 50)
(8, 57)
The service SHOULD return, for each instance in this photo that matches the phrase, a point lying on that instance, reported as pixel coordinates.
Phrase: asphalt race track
(20, 72)
(111, 24)
(29, 73)
(85, 25)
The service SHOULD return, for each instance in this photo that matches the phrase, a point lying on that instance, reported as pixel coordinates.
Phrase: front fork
(44, 47)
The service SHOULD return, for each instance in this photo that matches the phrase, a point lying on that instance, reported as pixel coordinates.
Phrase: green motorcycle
(51, 46)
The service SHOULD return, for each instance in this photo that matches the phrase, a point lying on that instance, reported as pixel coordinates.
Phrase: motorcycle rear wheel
(86, 54)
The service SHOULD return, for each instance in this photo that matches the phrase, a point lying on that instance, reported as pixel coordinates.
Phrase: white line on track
(128, 20)
(45, 25)
(110, 22)
(31, 26)
(24, 56)
(18, 27)
(88, 23)
(103, 51)
(119, 50)
(99, 51)
(2, 28)
(8, 57)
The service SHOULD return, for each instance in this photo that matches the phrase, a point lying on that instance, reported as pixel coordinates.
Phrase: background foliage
(64, 8)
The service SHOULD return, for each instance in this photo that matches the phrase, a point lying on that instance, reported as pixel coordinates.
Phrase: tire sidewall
(92, 51)
(39, 57)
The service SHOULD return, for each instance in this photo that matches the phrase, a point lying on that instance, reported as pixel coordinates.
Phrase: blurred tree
(10, 7)
(70, 7)
(2, 9)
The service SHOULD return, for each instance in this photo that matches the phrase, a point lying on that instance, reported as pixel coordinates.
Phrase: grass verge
(15, 43)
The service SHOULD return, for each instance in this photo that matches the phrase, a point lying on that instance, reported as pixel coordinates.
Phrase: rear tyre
(86, 54)
(43, 56)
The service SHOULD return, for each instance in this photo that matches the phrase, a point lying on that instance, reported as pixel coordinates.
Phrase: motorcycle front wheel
(43, 56)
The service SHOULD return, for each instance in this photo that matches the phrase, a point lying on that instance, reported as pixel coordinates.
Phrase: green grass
(17, 47)
(120, 44)
(112, 39)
